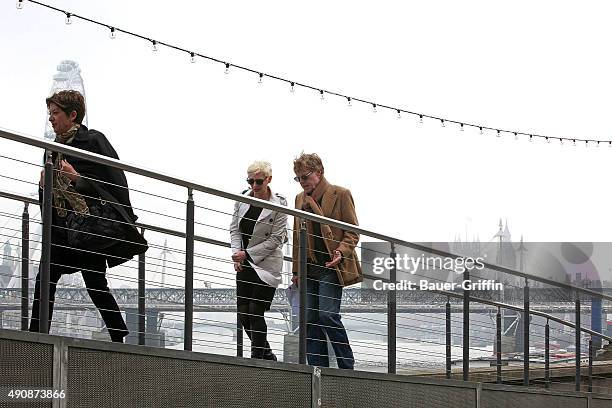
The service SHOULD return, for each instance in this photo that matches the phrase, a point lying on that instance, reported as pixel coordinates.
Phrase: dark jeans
(93, 269)
(324, 294)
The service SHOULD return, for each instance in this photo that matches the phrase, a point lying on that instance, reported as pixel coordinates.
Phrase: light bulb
(227, 68)
(374, 107)
(531, 138)
(68, 18)
(154, 45)
(461, 128)
(574, 142)
(322, 95)
(498, 134)
(610, 144)
(481, 132)
(598, 143)
(292, 90)
(19, 4)
(561, 140)
(193, 59)
(586, 143)
(349, 101)
(420, 120)
(112, 33)
(515, 136)
(260, 78)
(442, 121)
(399, 114)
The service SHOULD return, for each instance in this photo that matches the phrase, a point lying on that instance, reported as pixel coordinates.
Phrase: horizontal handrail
(18, 197)
(104, 160)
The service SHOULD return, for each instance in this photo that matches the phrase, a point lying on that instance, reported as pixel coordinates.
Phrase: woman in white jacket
(257, 238)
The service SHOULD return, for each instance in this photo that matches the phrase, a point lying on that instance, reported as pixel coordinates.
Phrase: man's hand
(41, 182)
(67, 169)
(295, 279)
(239, 256)
(335, 261)
(237, 267)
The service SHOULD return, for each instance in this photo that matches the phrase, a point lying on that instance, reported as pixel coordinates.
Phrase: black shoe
(269, 355)
(118, 335)
(257, 353)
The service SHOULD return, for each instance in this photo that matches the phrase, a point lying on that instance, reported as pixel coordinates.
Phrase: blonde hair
(261, 166)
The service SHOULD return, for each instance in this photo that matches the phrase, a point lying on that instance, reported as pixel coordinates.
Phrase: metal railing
(190, 239)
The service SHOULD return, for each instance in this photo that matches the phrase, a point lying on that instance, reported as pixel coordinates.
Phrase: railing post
(498, 345)
(578, 353)
(25, 266)
(591, 364)
(303, 271)
(45, 258)
(239, 336)
(526, 334)
(392, 317)
(466, 329)
(596, 315)
(547, 355)
(189, 238)
(141, 297)
(448, 338)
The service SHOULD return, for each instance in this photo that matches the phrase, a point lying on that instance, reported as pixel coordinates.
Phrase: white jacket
(269, 235)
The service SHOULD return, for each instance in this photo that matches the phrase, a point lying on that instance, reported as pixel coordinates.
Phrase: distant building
(7, 265)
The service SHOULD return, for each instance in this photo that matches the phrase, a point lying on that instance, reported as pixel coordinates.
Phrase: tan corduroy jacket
(337, 203)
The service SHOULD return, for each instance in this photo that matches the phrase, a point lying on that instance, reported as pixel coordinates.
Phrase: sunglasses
(303, 178)
(259, 182)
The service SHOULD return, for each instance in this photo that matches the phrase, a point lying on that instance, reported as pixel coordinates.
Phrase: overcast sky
(535, 67)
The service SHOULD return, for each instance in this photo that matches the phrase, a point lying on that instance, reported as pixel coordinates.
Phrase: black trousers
(254, 298)
(93, 270)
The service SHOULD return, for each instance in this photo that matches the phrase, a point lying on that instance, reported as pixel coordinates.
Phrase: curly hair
(309, 162)
(69, 101)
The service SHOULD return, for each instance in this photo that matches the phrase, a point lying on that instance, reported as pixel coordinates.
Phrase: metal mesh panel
(98, 378)
(26, 365)
(601, 403)
(509, 399)
(359, 392)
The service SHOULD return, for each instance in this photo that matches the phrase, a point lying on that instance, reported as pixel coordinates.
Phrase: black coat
(95, 142)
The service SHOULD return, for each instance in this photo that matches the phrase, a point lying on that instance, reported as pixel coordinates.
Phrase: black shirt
(247, 224)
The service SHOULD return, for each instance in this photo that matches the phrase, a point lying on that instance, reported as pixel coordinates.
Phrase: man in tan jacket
(332, 260)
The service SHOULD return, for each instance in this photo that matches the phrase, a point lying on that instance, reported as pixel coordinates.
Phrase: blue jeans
(323, 318)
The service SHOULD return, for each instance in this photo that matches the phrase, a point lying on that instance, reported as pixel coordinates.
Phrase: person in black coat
(80, 187)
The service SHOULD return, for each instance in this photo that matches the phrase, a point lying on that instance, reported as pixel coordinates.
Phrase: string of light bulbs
(155, 45)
